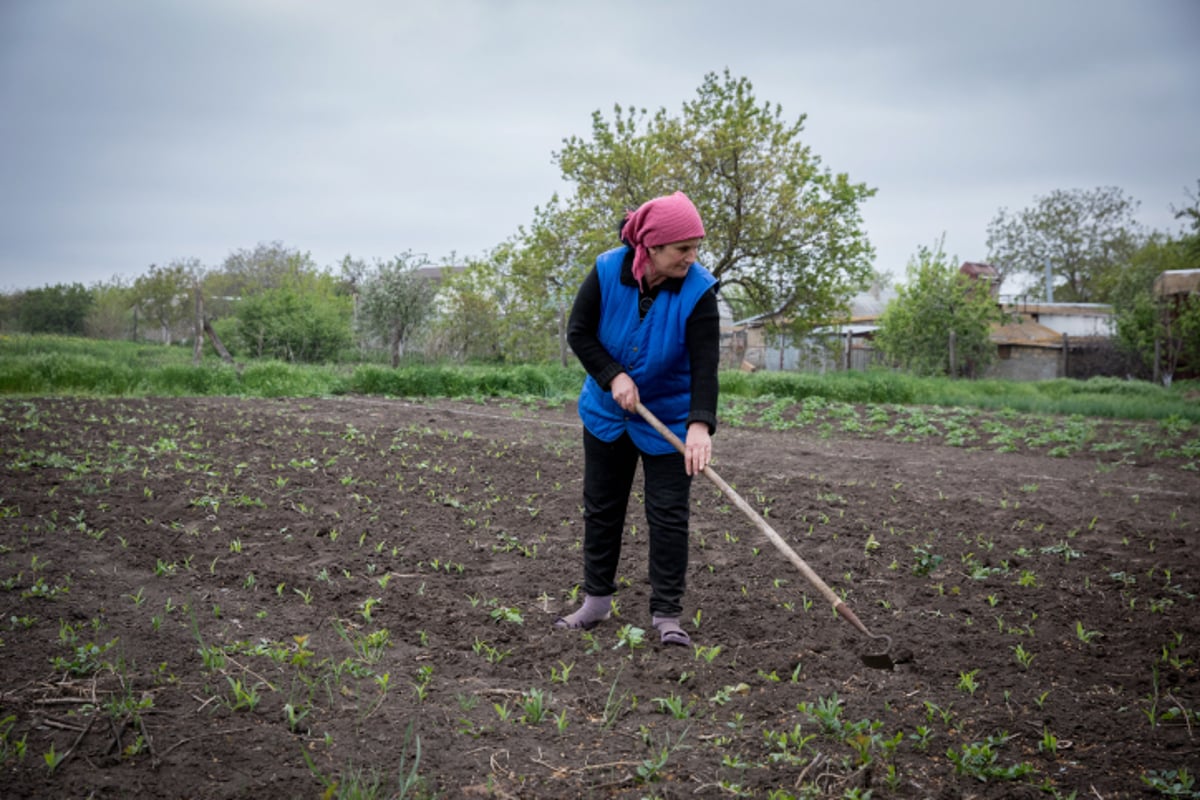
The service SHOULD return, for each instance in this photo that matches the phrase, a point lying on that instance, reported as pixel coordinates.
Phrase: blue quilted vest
(653, 352)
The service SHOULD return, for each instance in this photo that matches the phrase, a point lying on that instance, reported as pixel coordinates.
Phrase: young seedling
(561, 675)
(1024, 657)
(921, 738)
(535, 706)
(424, 679)
(1049, 742)
(1084, 635)
(967, 683)
(245, 698)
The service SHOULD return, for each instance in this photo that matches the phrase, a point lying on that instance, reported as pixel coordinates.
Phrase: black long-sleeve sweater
(703, 339)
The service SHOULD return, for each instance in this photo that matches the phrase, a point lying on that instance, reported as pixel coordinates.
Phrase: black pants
(608, 473)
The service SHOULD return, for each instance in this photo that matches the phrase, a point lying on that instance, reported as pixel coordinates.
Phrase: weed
(613, 704)
(1172, 783)
(507, 614)
(979, 760)
(924, 562)
(631, 637)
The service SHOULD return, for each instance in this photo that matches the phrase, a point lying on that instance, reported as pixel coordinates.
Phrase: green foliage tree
(540, 275)
(111, 314)
(10, 310)
(164, 295)
(784, 233)
(307, 320)
(471, 326)
(1159, 333)
(247, 272)
(352, 272)
(61, 308)
(396, 301)
(1190, 215)
(1084, 235)
(938, 308)
(1148, 327)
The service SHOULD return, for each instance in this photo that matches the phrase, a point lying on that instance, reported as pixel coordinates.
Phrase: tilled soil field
(217, 597)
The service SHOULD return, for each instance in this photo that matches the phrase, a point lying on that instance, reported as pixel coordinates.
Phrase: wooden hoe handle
(838, 605)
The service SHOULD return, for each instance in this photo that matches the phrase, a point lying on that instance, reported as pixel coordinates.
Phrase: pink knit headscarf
(662, 220)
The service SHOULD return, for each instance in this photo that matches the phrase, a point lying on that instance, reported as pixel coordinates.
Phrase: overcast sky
(137, 132)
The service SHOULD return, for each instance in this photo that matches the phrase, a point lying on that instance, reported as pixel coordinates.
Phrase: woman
(645, 326)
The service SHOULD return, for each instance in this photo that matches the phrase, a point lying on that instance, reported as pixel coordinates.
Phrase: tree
(396, 301)
(164, 294)
(1191, 215)
(940, 321)
(1083, 235)
(353, 272)
(247, 272)
(294, 325)
(471, 325)
(1159, 333)
(784, 234)
(61, 308)
(541, 275)
(110, 316)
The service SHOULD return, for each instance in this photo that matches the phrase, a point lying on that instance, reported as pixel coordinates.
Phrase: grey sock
(593, 611)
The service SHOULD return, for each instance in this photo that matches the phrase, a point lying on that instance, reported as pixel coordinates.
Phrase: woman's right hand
(625, 392)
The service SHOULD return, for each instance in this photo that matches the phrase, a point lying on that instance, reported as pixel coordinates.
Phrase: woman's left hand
(697, 449)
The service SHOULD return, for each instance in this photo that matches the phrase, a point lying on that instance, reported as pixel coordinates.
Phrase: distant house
(436, 276)
(1039, 340)
(983, 272)
(844, 345)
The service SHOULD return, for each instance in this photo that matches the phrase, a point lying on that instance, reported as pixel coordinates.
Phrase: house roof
(1027, 333)
(1061, 309)
(437, 274)
(977, 270)
(1177, 281)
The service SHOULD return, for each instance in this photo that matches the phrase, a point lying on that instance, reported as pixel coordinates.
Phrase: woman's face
(671, 260)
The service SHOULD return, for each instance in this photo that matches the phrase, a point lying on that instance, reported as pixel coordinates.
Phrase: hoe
(884, 660)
